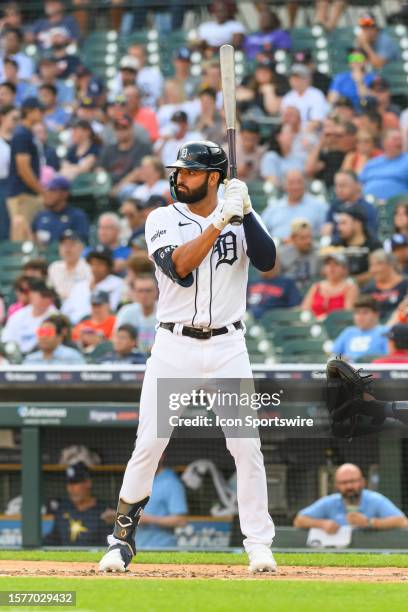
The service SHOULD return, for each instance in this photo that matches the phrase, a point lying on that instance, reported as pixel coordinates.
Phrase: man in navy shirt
(79, 520)
(58, 216)
(25, 190)
(353, 505)
(272, 290)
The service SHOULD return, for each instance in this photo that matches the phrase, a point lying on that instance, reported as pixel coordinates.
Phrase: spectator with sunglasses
(51, 349)
(378, 46)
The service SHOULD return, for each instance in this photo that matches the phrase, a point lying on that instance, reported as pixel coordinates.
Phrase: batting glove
(233, 207)
(237, 187)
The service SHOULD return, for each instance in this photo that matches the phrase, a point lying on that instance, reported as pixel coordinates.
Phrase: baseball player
(202, 270)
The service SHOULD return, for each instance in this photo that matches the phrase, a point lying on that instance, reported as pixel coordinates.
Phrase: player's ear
(213, 178)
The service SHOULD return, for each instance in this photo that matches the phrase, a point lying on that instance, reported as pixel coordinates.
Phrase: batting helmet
(199, 155)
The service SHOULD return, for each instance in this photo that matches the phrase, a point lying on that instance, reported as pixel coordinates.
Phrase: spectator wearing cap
(272, 290)
(270, 36)
(120, 159)
(288, 148)
(101, 320)
(356, 239)
(144, 116)
(58, 216)
(173, 137)
(51, 349)
(381, 91)
(224, 29)
(366, 336)
(320, 80)
(89, 85)
(386, 176)
(388, 286)
(249, 151)
(149, 78)
(347, 190)
(128, 70)
(55, 17)
(84, 151)
(124, 341)
(397, 345)
(299, 258)
(335, 292)
(21, 328)
(398, 245)
(67, 63)
(12, 41)
(79, 520)
(71, 276)
(141, 312)
(9, 117)
(263, 90)
(366, 149)
(280, 213)
(108, 235)
(355, 82)
(88, 110)
(379, 47)
(55, 116)
(25, 190)
(101, 261)
(310, 101)
(182, 73)
(210, 122)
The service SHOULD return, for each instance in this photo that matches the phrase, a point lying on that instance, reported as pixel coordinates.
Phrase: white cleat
(261, 560)
(116, 559)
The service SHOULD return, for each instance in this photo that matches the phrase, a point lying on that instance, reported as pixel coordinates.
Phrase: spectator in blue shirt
(51, 349)
(377, 44)
(24, 188)
(353, 505)
(366, 336)
(165, 510)
(386, 176)
(55, 117)
(353, 83)
(55, 18)
(347, 190)
(58, 216)
(272, 290)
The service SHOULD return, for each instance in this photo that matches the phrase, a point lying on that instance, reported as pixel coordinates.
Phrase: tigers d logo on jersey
(226, 249)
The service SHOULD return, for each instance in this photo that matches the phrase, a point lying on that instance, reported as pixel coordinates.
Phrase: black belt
(201, 333)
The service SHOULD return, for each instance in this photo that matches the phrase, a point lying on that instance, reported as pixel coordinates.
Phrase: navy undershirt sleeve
(261, 248)
(163, 259)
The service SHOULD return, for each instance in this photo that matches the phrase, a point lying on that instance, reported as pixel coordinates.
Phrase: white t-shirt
(64, 279)
(217, 296)
(217, 34)
(114, 286)
(77, 305)
(22, 325)
(312, 105)
(143, 192)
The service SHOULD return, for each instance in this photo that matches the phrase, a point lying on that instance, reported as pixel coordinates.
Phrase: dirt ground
(223, 572)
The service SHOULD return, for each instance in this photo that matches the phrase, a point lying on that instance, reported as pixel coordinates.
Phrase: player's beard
(192, 196)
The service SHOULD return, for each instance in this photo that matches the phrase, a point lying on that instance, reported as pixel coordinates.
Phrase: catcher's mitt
(348, 397)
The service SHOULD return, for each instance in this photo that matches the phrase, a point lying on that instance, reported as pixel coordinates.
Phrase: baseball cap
(379, 84)
(398, 240)
(184, 53)
(78, 472)
(180, 117)
(58, 183)
(300, 70)
(399, 334)
(250, 126)
(128, 62)
(356, 212)
(99, 297)
(367, 20)
(32, 102)
(101, 252)
(69, 234)
(87, 102)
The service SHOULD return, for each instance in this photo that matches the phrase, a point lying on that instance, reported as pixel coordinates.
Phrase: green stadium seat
(369, 358)
(302, 347)
(336, 321)
(286, 316)
(8, 247)
(7, 277)
(280, 335)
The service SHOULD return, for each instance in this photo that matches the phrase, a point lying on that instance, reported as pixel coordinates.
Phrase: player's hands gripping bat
(227, 63)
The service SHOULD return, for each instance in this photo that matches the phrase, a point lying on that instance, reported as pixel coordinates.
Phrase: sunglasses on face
(46, 332)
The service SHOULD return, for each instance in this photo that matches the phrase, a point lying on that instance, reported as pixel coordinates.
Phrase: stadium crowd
(329, 150)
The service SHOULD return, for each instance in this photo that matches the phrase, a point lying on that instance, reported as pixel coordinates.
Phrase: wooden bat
(227, 63)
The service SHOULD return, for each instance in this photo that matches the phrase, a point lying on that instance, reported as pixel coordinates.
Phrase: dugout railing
(46, 408)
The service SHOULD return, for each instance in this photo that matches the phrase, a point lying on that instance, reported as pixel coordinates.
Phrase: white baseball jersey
(218, 295)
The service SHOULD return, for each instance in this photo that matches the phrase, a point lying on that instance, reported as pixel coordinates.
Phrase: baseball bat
(227, 64)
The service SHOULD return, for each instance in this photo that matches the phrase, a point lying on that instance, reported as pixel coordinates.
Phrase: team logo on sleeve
(226, 249)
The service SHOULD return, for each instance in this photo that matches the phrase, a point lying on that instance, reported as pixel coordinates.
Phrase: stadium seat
(286, 316)
(336, 321)
(302, 347)
(280, 335)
